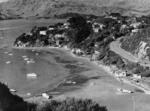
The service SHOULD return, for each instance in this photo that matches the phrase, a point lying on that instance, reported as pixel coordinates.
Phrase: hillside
(138, 44)
(49, 8)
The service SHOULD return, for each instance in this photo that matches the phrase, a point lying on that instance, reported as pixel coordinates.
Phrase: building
(66, 25)
(135, 30)
(120, 73)
(135, 25)
(43, 32)
(97, 26)
(135, 76)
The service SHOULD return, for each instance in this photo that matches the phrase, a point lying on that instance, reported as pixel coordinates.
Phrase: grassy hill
(49, 8)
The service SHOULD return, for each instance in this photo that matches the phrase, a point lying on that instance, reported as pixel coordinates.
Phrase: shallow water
(49, 69)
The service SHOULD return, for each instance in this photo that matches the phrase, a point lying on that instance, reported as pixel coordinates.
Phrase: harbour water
(14, 67)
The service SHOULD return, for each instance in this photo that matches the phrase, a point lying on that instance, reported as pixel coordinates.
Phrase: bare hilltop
(51, 8)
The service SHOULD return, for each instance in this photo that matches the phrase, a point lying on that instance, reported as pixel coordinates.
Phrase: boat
(26, 59)
(124, 90)
(46, 96)
(28, 94)
(31, 59)
(8, 62)
(6, 52)
(147, 92)
(12, 90)
(24, 56)
(28, 62)
(31, 75)
(10, 54)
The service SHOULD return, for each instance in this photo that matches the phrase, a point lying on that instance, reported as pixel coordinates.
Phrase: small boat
(26, 59)
(8, 62)
(37, 54)
(24, 56)
(31, 75)
(68, 82)
(28, 94)
(29, 62)
(12, 90)
(46, 96)
(6, 52)
(73, 82)
(31, 59)
(1, 37)
(124, 90)
(10, 54)
(147, 92)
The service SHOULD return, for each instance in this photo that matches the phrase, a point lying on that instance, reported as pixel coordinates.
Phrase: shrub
(10, 102)
(71, 104)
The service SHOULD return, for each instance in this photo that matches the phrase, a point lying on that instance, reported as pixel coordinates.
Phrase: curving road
(114, 46)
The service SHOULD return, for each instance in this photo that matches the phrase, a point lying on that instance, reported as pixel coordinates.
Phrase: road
(114, 46)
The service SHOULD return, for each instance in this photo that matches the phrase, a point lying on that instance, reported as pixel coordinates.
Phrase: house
(97, 26)
(135, 30)
(66, 25)
(96, 30)
(135, 76)
(60, 38)
(135, 25)
(43, 32)
(123, 26)
(50, 28)
(57, 36)
(120, 73)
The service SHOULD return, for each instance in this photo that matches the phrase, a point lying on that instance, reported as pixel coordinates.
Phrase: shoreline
(107, 69)
(53, 91)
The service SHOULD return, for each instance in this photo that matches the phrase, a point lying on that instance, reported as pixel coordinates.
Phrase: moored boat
(31, 75)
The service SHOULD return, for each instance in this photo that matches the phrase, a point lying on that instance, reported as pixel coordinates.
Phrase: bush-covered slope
(10, 102)
(138, 44)
(49, 8)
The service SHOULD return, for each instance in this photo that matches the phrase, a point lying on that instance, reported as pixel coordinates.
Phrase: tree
(77, 22)
(71, 104)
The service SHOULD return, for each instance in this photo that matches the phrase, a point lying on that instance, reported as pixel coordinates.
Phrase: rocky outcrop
(142, 50)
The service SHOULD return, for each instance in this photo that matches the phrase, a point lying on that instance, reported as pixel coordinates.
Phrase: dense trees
(10, 102)
(72, 104)
(80, 30)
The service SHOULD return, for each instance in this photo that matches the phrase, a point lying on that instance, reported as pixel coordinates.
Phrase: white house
(43, 32)
(135, 76)
(45, 95)
(66, 25)
(120, 73)
(50, 28)
(135, 30)
(96, 30)
(136, 25)
(123, 26)
(59, 36)
(97, 26)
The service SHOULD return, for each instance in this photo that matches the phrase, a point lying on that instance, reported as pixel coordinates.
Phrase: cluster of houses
(56, 36)
(43, 36)
(119, 73)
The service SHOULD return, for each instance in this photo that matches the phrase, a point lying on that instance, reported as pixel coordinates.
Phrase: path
(114, 46)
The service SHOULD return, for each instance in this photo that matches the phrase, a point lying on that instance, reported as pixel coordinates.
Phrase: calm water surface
(49, 71)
